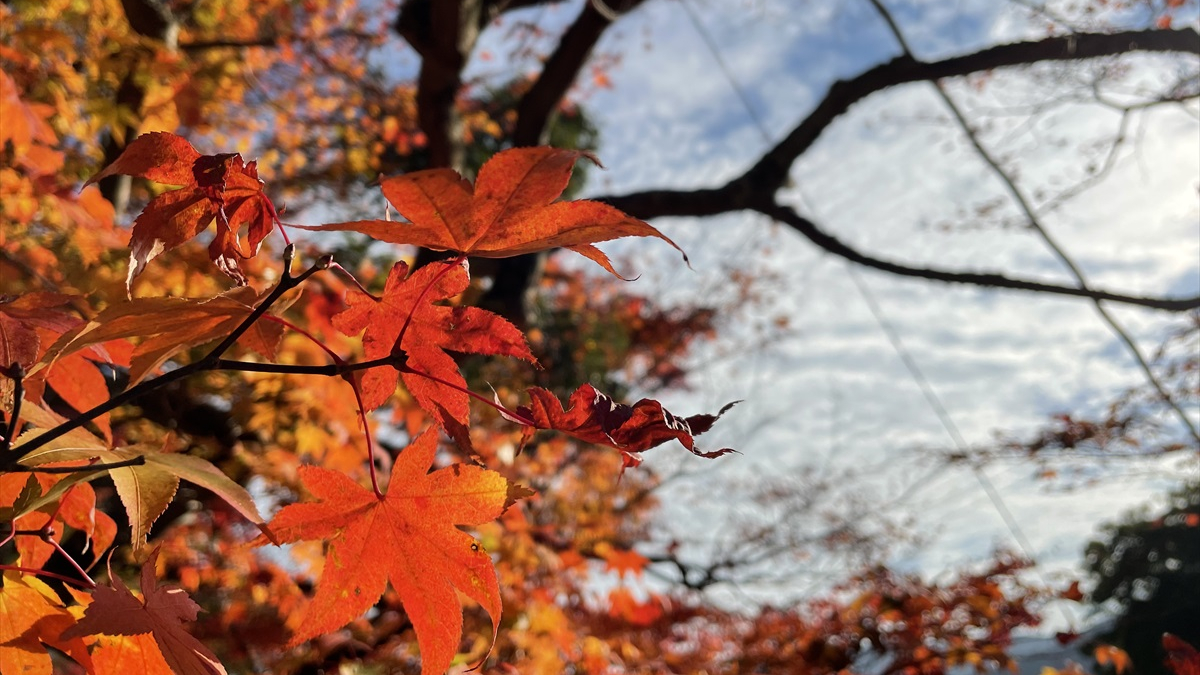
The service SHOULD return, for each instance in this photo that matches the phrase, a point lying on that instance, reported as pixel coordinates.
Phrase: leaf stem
(338, 268)
(135, 461)
(520, 419)
(88, 584)
(362, 416)
(291, 326)
(331, 370)
(87, 579)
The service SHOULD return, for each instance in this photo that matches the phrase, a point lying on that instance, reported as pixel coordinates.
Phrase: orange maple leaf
(77, 509)
(1110, 655)
(409, 537)
(406, 320)
(595, 417)
(622, 561)
(31, 616)
(161, 613)
(509, 211)
(170, 325)
(223, 186)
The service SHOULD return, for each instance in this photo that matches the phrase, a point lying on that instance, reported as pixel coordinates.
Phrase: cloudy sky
(896, 177)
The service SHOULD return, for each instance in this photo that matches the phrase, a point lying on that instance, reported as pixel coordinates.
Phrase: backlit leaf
(409, 538)
(222, 187)
(509, 211)
(595, 417)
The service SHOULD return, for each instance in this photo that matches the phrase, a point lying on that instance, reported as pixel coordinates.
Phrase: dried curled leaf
(223, 187)
(595, 417)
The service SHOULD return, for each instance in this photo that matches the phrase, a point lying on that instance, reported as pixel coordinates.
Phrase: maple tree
(118, 404)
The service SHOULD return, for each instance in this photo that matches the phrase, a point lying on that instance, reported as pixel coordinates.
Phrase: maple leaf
(622, 561)
(594, 417)
(76, 508)
(146, 489)
(429, 331)
(26, 321)
(1110, 655)
(161, 613)
(129, 654)
(223, 187)
(410, 538)
(169, 326)
(509, 211)
(31, 615)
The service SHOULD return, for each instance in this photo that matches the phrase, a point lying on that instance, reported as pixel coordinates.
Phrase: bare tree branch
(806, 227)
(1035, 223)
(772, 170)
(755, 189)
(560, 71)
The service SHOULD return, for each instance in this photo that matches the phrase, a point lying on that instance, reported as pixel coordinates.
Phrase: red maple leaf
(595, 417)
(222, 186)
(408, 537)
(509, 211)
(405, 320)
(161, 613)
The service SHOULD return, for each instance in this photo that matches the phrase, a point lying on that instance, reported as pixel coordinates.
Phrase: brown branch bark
(443, 32)
(560, 71)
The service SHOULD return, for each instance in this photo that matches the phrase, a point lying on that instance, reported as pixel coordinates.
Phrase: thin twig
(512, 414)
(209, 362)
(87, 580)
(89, 584)
(1035, 224)
(101, 466)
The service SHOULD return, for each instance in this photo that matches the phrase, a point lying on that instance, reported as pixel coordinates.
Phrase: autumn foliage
(225, 451)
(405, 535)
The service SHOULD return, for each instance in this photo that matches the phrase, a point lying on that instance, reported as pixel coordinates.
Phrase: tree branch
(1034, 223)
(755, 189)
(771, 171)
(788, 216)
(87, 468)
(560, 71)
(209, 362)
